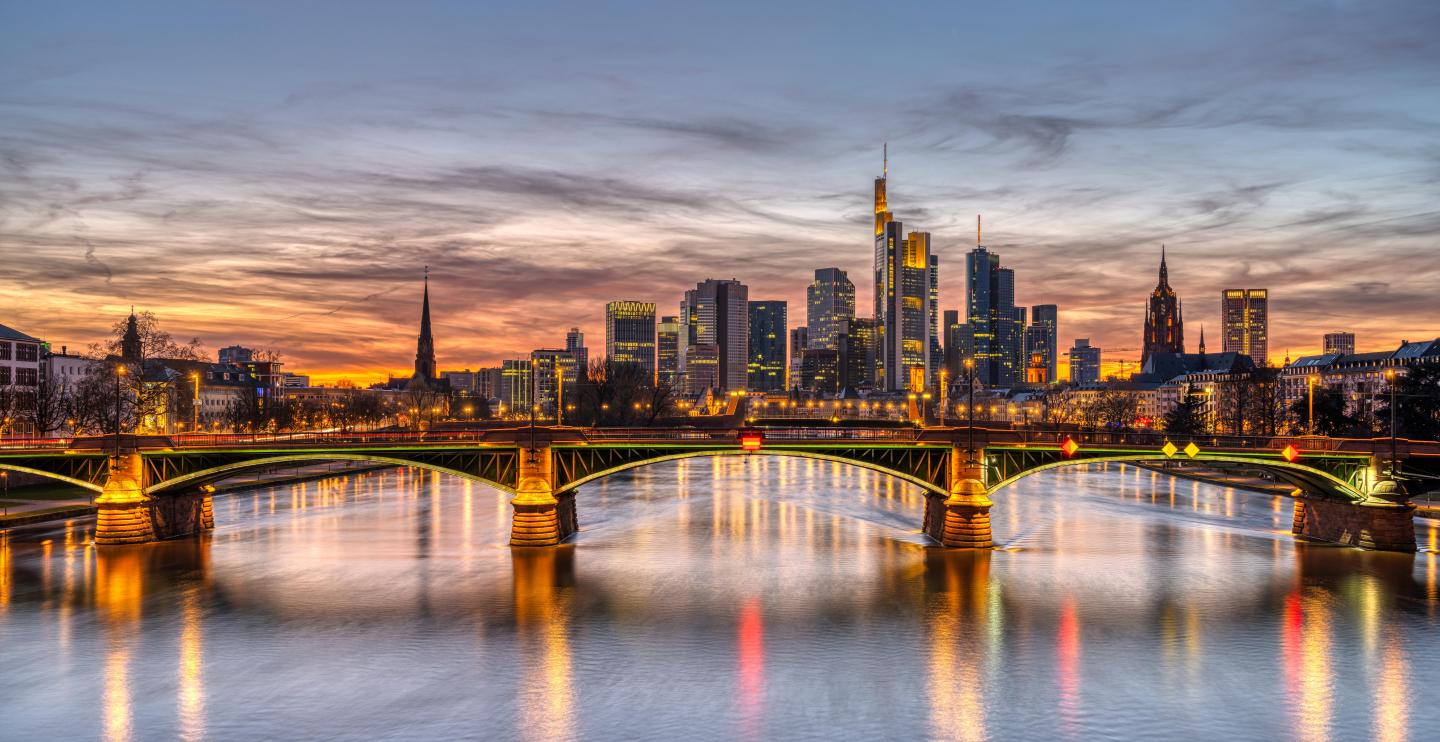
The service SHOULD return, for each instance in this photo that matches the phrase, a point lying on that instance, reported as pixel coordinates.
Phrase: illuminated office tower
(554, 374)
(902, 300)
(516, 387)
(765, 371)
(799, 341)
(994, 328)
(1342, 343)
(717, 312)
(1245, 315)
(856, 345)
(937, 346)
(667, 351)
(1164, 320)
(630, 333)
(830, 299)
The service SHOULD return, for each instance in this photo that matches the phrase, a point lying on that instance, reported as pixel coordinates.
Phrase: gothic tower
(1164, 325)
(425, 346)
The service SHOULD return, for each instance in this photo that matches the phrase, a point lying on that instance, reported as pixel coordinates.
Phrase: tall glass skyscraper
(994, 325)
(768, 337)
(630, 333)
(902, 300)
(1041, 340)
(667, 351)
(830, 300)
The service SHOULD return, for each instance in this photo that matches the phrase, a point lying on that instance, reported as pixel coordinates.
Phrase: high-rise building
(820, 370)
(1340, 342)
(1164, 324)
(937, 345)
(717, 312)
(630, 333)
(1246, 317)
(799, 341)
(702, 369)
(902, 300)
(857, 353)
(575, 346)
(1041, 338)
(765, 371)
(667, 351)
(994, 328)
(830, 299)
(487, 382)
(1084, 362)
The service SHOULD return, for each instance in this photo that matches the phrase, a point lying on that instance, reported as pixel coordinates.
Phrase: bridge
(155, 487)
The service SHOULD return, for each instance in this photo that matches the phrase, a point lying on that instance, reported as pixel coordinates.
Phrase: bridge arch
(56, 476)
(1307, 479)
(916, 479)
(221, 471)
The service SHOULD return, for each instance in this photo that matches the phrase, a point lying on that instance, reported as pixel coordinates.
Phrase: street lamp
(1310, 404)
(195, 403)
(944, 390)
(119, 372)
(1394, 463)
(970, 411)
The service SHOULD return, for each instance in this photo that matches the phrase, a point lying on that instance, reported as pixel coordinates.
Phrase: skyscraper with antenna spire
(903, 303)
(994, 325)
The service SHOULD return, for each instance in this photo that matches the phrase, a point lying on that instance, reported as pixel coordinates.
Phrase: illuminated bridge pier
(156, 487)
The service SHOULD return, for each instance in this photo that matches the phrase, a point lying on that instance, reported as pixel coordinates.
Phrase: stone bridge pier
(125, 514)
(541, 516)
(961, 520)
(1383, 521)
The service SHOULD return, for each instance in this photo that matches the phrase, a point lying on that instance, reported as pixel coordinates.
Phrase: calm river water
(731, 598)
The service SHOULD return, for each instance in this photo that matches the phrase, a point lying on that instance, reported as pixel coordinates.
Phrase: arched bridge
(155, 487)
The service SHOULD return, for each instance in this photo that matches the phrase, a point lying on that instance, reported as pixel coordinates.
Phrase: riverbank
(1424, 508)
(46, 502)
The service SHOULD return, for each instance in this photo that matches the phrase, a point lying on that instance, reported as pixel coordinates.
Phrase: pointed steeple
(425, 346)
(1164, 272)
(1202, 340)
(130, 343)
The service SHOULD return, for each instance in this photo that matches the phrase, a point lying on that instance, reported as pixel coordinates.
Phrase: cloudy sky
(276, 175)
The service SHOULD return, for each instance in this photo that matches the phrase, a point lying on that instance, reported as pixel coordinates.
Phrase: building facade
(1245, 314)
(516, 388)
(830, 300)
(1042, 341)
(667, 351)
(902, 300)
(1084, 362)
(994, 325)
(630, 333)
(575, 346)
(717, 312)
(766, 370)
(1339, 343)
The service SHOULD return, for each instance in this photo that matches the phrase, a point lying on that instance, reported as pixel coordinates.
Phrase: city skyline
(315, 192)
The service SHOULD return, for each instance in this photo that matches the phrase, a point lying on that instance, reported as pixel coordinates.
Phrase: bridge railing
(627, 435)
(31, 444)
(1157, 439)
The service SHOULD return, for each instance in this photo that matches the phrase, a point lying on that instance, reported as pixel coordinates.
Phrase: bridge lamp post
(195, 403)
(1310, 404)
(119, 373)
(1390, 376)
(970, 410)
(944, 387)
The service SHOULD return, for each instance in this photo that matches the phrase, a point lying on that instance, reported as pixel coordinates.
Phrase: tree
(46, 406)
(1331, 417)
(1417, 403)
(1187, 417)
(621, 394)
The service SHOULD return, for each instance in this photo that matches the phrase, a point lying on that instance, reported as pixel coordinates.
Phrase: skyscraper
(856, 344)
(766, 371)
(902, 300)
(717, 312)
(799, 341)
(425, 345)
(630, 333)
(554, 375)
(1041, 338)
(667, 351)
(516, 387)
(994, 325)
(1340, 342)
(1245, 314)
(1164, 326)
(575, 346)
(1084, 362)
(830, 299)
(937, 347)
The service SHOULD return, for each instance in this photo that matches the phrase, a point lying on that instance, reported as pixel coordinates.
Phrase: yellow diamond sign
(1191, 449)
(1169, 449)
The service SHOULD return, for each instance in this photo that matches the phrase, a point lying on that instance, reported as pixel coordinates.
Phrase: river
(727, 598)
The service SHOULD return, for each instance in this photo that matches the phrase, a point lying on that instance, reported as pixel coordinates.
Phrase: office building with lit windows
(717, 312)
(1245, 314)
(667, 351)
(766, 370)
(1342, 343)
(630, 333)
(902, 298)
(830, 300)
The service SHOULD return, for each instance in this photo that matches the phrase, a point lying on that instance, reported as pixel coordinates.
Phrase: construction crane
(1124, 365)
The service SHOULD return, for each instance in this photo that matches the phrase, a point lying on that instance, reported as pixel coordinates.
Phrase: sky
(277, 175)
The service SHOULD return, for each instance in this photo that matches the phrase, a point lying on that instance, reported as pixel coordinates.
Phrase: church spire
(1164, 272)
(1202, 340)
(425, 346)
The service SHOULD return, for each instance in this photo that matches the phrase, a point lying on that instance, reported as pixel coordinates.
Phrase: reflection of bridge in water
(159, 487)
